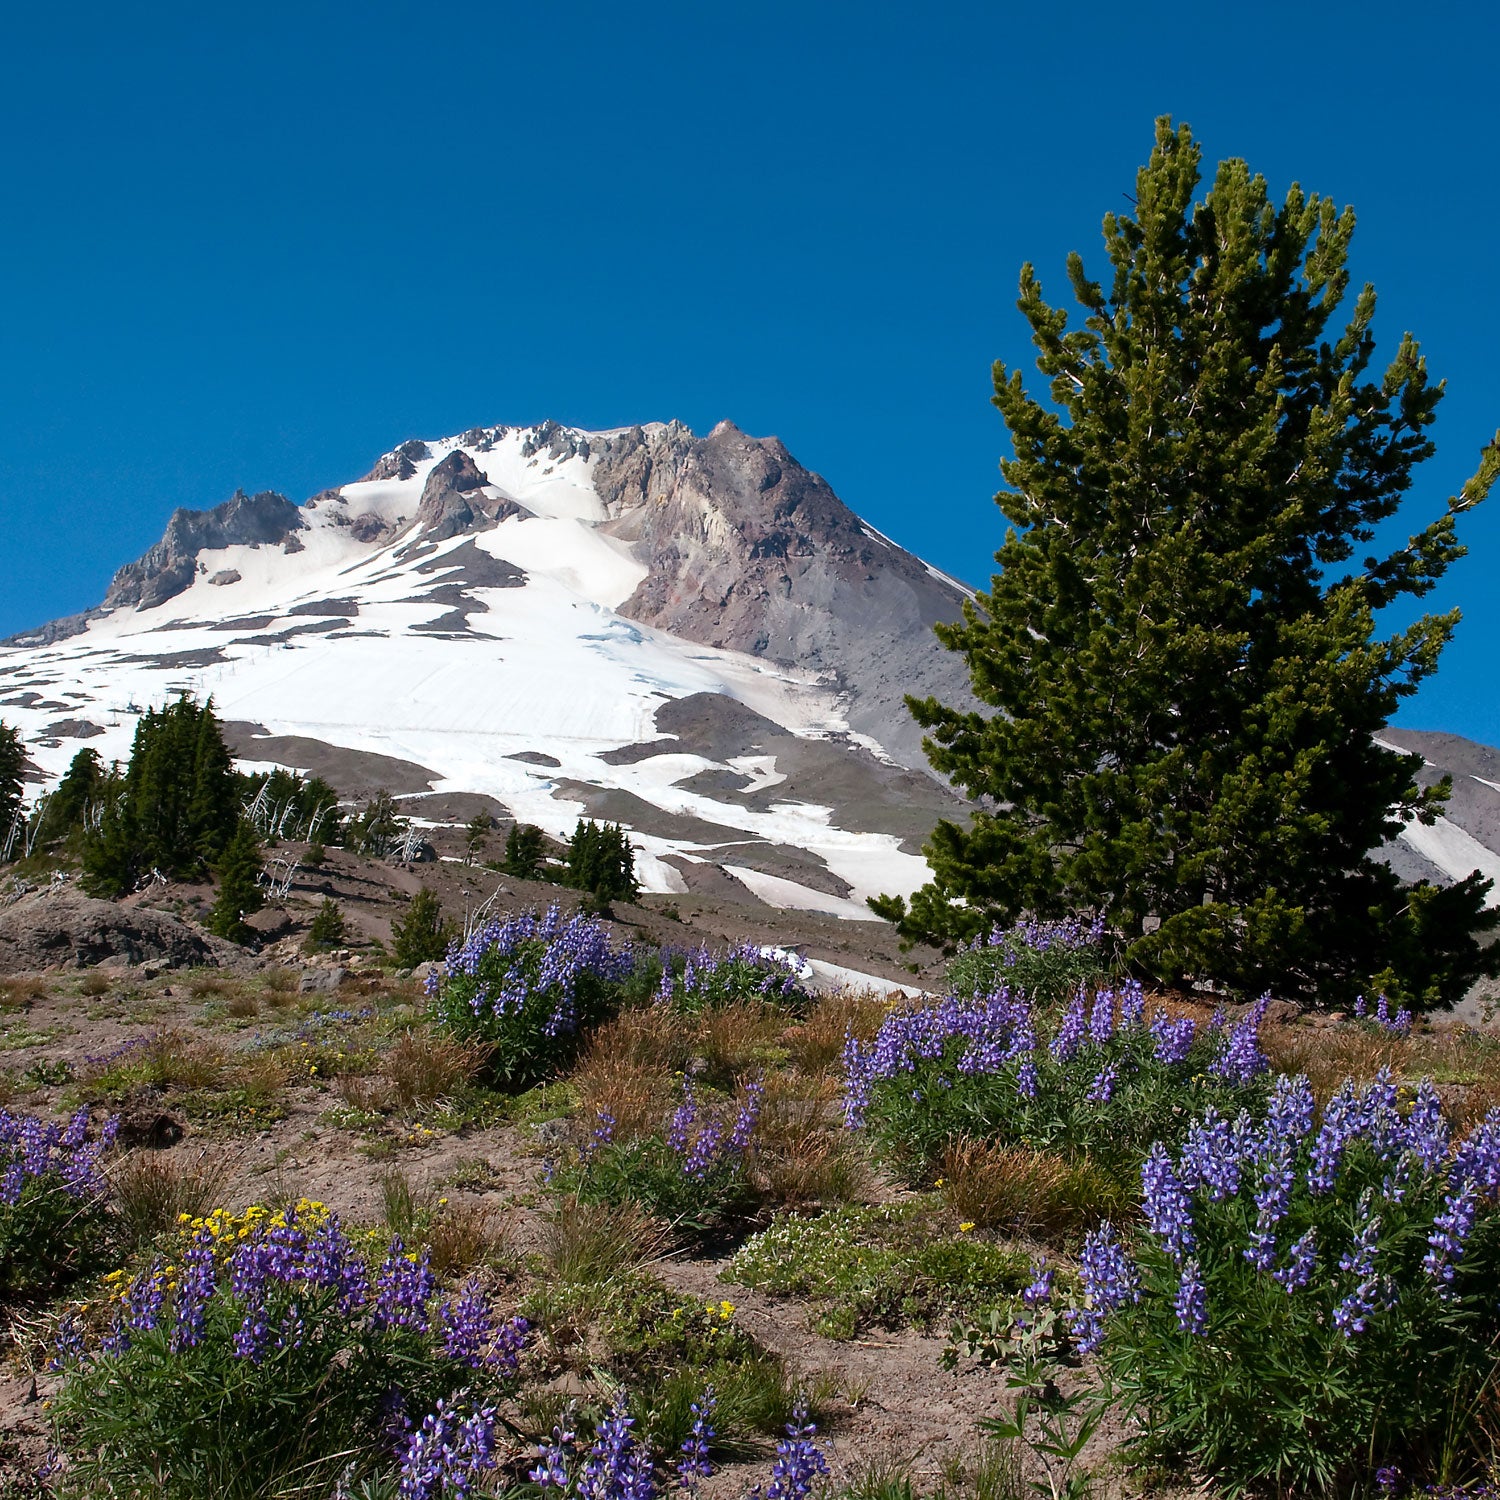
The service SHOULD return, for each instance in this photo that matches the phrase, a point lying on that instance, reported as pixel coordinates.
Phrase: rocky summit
(693, 636)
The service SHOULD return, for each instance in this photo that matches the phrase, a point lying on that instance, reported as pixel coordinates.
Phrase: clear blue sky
(256, 246)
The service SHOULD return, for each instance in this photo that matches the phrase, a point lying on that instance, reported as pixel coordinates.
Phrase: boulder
(321, 981)
(75, 931)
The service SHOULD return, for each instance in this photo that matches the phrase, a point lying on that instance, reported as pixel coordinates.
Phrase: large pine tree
(1184, 642)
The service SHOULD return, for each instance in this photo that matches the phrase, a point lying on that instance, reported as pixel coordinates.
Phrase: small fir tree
(80, 787)
(12, 783)
(1181, 645)
(525, 845)
(421, 936)
(327, 929)
(477, 835)
(238, 872)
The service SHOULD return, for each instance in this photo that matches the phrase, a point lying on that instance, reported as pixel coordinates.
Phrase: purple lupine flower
(705, 1151)
(1477, 1159)
(1102, 1018)
(447, 1453)
(1039, 1292)
(1071, 1032)
(1191, 1301)
(1398, 1024)
(1211, 1158)
(616, 1466)
(1026, 1079)
(510, 1344)
(1174, 1039)
(67, 1344)
(745, 1119)
(1109, 1282)
(1241, 1058)
(694, 1463)
(1132, 1005)
(551, 1469)
(1451, 1228)
(403, 1288)
(1302, 1257)
(194, 1288)
(467, 1326)
(683, 1119)
(1343, 1119)
(1102, 1089)
(799, 1461)
(1168, 1208)
(1352, 1313)
(1427, 1135)
(143, 1299)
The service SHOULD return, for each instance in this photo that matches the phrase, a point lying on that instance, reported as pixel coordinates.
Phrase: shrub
(1108, 1082)
(601, 861)
(53, 1212)
(525, 848)
(1311, 1298)
(529, 987)
(697, 979)
(1044, 961)
(269, 1337)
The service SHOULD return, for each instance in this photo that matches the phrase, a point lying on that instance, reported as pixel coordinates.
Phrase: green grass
(864, 1266)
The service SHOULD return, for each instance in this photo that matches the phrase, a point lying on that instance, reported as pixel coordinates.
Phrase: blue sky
(257, 246)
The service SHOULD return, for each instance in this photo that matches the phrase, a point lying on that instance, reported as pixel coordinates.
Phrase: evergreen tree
(238, 872)
(327, 928)
(476, 835)
(601, 862)
(12, 784)
(81, 785)
(1181, 643)
(421, 936)
(176, 807)
(525, 845)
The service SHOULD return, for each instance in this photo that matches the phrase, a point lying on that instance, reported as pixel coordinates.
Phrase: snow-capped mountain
(692, 636)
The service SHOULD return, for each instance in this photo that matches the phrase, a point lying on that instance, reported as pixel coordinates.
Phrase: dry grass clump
(423, 1068)
(802, 1158)
(1329, 1055)
(620, 1082)
(369, 1095)
(735, 1039)
(242, 1005)
(651, 1037)
(204, 984)
(598, 1241)
(93, 984)
(816, 1043)
(463, 1236)
(280, 981)
(168, 1058)
(1020, 1191)
(151, 1189)
(19, 994)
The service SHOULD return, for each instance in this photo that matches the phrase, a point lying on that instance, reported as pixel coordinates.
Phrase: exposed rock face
(454, 500)
(77, 931)
(168, 568)
(750, 551)
(401, 463)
